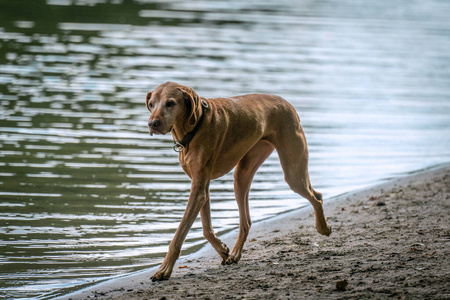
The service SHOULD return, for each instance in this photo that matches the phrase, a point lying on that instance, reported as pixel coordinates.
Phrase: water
(86, 193)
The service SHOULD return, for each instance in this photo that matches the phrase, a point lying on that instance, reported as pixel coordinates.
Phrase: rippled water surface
(86, 193)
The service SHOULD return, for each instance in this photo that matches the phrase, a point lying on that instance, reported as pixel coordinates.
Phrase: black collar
(179, 146)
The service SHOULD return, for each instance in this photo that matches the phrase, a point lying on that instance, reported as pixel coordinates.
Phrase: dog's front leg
(197, 199)
(208, 231)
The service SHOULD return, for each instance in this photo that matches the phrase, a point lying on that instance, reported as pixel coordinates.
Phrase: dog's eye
(150, 105)
(170, 104)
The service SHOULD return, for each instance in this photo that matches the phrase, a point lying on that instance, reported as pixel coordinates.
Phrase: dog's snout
(154, 123)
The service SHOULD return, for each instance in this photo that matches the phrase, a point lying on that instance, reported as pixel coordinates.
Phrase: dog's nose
(154, 123)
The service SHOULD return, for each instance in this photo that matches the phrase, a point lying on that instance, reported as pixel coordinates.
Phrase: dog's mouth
(157, 132)
(154, 131)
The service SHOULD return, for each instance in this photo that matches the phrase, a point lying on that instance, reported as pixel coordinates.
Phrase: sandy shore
(391, 241)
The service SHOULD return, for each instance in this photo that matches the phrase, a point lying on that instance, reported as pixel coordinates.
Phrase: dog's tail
(317, 195)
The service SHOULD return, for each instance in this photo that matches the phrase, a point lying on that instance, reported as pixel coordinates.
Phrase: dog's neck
(179, 131)
(176, 133)
(183, 136)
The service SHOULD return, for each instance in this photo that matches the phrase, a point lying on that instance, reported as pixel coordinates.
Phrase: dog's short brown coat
(238, 132)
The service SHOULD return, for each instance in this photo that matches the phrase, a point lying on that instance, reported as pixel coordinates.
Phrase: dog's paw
(233, 258)
(231, 261)
(224, 261)
(324, 230)
(163, 273)
(224, 252)
(158, 277)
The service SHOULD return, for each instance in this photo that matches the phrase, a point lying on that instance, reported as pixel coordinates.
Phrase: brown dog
(215, 135)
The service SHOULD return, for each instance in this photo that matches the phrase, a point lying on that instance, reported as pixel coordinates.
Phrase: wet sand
(391, 241)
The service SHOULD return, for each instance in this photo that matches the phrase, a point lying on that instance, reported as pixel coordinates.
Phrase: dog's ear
(149, 95)
(193, 105)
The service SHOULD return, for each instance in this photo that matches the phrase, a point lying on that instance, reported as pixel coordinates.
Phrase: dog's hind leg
(243, 176)
(293, 154)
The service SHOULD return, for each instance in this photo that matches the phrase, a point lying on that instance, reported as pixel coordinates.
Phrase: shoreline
(285, 258)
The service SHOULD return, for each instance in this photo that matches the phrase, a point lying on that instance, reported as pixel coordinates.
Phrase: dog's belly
(228, 158)
(224, 166)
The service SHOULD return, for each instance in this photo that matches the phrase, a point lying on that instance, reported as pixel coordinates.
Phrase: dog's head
(172, 105)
